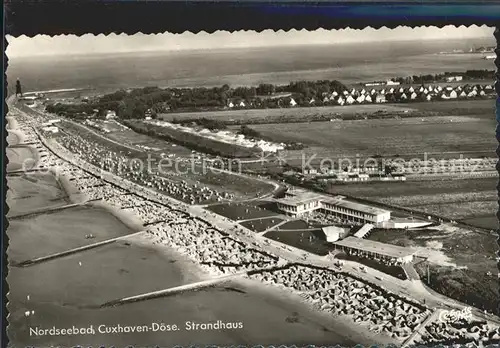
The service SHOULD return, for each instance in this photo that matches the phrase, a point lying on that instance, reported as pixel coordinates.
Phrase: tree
(266, 89)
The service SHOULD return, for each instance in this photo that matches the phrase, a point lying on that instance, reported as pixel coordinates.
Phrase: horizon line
(159, 50)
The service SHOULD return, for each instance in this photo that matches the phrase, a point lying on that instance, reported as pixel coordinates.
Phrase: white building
(454, 78)
(373, 249)
(301, 202)
(392, 83)
(380, 98)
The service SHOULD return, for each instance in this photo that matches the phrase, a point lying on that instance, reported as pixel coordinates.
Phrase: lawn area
(283, 114)
(243, 211)
(312, 241)
(388, 137)
(262, 224)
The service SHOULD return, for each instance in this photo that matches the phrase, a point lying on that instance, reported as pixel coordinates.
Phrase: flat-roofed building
(370, 248)
(302, 202)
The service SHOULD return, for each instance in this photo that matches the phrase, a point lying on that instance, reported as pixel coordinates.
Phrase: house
(462, 95)
(326, 100)
(392, 83)
(361, 99)
(413, 96)
(353, 92)
(454, 78)
(472, 94)
(421, 89)
(401, 90)
(334, 94)
(403, 96)
(453, 95)
(482, 93)
(428, 97)
(391, 91)
(349, 100)
(293, 102)
(231, 105)
(382, 91)
(312, 101)
(368, 99)
(340, 101)
(363, 91)
(411, 90)
(380, 98)
(373, 91)
(241, 104)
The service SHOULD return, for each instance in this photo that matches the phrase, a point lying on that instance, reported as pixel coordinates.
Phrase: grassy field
(408, 137)
(459, 261)
(243, 211)
(303, 114)
(285, 114)
(459, 107)
(261, 225)
(295, 225)
(312, 241)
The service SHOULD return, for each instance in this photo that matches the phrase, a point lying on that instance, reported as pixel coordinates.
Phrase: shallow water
(32, 192)
(61, 292)
(45, 234)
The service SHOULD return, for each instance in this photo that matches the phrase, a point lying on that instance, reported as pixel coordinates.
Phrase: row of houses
(388, 94)
(402, 94)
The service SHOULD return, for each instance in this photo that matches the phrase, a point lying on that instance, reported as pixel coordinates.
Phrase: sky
(24, 46)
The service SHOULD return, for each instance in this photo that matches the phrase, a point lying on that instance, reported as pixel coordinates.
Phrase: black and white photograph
(326, 187)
